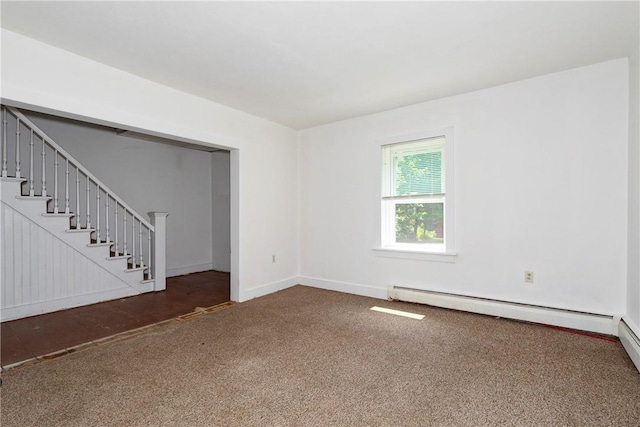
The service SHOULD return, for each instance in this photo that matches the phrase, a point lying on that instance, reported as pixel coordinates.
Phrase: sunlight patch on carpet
(398, 312)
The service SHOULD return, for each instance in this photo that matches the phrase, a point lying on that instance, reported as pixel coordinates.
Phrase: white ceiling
(303, 64)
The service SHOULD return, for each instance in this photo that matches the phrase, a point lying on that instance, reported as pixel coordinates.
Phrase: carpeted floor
(310, 357)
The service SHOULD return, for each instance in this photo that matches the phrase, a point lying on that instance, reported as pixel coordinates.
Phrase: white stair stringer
(48, 267)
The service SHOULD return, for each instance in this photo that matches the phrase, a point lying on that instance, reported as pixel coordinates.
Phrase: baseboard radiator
(597, 323)
(631, 342)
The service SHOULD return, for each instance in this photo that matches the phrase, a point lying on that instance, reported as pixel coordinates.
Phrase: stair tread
(94, 244)
(59, 214)
(40, 198)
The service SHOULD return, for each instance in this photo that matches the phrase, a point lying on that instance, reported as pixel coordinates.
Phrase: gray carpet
(309, 357)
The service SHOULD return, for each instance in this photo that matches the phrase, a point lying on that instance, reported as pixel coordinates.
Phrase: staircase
(66, 238)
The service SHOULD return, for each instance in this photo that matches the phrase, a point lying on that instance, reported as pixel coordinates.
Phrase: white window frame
(385, 221)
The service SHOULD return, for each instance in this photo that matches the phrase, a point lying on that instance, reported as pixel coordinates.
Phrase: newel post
(159, 245)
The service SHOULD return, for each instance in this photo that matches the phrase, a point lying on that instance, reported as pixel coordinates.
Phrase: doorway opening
(190, 180)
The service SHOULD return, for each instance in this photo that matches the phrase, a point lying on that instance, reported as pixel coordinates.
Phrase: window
(417, 207)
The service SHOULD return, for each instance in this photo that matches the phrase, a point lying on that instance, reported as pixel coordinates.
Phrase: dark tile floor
(30, 337)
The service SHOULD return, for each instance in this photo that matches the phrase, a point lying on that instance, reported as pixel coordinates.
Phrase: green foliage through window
(420, 223)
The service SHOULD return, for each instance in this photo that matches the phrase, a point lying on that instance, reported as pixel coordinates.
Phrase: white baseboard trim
(27, 310)
(350, 288)
(630, 341)
(269, 288)
(181, 271)
(597, 323)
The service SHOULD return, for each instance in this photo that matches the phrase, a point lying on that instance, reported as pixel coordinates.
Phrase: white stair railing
(88, 191)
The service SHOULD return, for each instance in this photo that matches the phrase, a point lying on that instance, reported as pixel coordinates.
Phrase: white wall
(541, 184)
(220, 210)
(633, 279)
(149, 177)
(263, 161)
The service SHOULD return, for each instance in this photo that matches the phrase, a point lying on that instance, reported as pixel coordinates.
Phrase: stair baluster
(4, 142)
(115, 243)
(133, 242)
(149, 276)
(124, 232)
(106, 219)
(88, 204)
(140, 247)
(44, 170)
(77, 198)
(66, 189)
(55, 182)
(18, 149)
(31, 187)
(98, 214)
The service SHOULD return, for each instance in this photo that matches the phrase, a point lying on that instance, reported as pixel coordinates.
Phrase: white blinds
(414, 169)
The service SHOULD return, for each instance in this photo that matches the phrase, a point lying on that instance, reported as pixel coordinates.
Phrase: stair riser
(56, 222)
(28, 207)
(10, 189)
(78, 239)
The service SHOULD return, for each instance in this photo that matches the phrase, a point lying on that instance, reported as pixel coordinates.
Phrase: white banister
(54, 145)
(32, 190)
(4, 142)
(44, 170)
(159, 221)
(55, 182)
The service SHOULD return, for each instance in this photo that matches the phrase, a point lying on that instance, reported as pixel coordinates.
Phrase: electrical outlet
(273, 259)
(528, 276)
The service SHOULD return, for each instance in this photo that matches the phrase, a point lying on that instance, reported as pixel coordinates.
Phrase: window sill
(449, 257)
